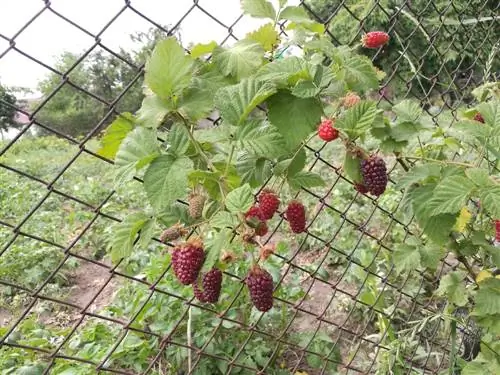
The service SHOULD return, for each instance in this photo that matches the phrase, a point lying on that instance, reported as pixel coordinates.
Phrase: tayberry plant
(215, 188)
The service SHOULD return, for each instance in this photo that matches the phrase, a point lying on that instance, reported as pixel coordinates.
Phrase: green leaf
(490, 200)
(223, 219)
(405, 131)
(237, 101)
(178, 139)
(451, 194)
(305, 180)
(431, 255)
(487, 300)
(240, 199)
(214, 246)
(294, 117)
(138, 149)
(262, 141)
(258, 8)
(491, 113)
(209, 180)
(177, 212)
(285, 72)
(406, 258)
(479, 176)
(153, 111)
(358, 119)
(202, 49)
(168, 70)
(453, 287)
(305, 89)
(407, 111)
(476, 368)
(253, 169)
(291, 166)
(165, 180)
(418, 174)
(197, 101)
(352, 167)
(266, 36)
(360, 74)
(125, 234)
(146, 234)
(241, 60)
(115, 134)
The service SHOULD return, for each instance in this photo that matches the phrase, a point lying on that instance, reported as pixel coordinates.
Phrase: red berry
(268, 203)
(261, 229)
(374, 174)
(211, 283)
(260, 285)
(351, 99)
(327, 132)
(254, 212)
(375, 39)
(187, 260)
(296, 216)
(361, 188)
(497, 230)
(479, 117)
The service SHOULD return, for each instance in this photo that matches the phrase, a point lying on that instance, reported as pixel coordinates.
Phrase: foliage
(7, 109)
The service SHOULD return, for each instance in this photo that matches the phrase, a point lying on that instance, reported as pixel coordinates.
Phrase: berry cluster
(257, 215)
(374, 39)
(260, 286)
(374, 174)
(327, 132)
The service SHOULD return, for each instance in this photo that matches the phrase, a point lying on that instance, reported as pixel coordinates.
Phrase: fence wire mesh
(435, 64)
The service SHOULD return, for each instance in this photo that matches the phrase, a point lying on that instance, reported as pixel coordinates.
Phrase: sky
(48, 35)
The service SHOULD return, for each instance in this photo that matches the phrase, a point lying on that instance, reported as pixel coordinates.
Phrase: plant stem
(445, 162)
(231, 153)
(453, 347)
(189, 339)
(196, 143)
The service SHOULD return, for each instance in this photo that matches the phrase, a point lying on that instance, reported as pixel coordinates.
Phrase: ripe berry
(296, 216)
(196, 203)
(351, 99)
(374, 39)
(327, 132)
(479, 117)
(268, 203)
(497, 230)
(254, 212)
(374, 174)
(361, 188)
(211, 283)
(187, 260)
(260, 285)
(174, 232)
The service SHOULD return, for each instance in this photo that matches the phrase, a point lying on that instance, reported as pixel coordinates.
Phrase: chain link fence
(349, 313)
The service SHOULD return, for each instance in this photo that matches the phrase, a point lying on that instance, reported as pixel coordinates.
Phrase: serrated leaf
(305, 180)
(178, 139)
(352, 167)
(451, 194)
(476, 368)
(266, 36)
(479, 176)
(197, 101)
(462, 220)
(487, 301)
(453, 287)
(153, 111)
(177, 212)
(125, 234)
(358, 119)
(165, 180)
(237, 101)
(208, 179)
(262, 141)
(241, 60)
(223, 219)
(291, 166)
(115, 134)
(490, 200)
(201, 49)
(431, 255)
(146, 234)
(491, 113)
(258, 8)
(214, 246)
(306, 89)
(360, 74)
(253, 170)
(239, 200)
(169, 69)
(407, 111)
(405, 131)
(295, 118)
(406, 258)
(137, 150)
(418, 174)
(285, 72)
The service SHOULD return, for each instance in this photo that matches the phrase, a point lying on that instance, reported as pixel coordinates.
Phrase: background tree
(433, 45)
(75, 112)
(7, 111)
